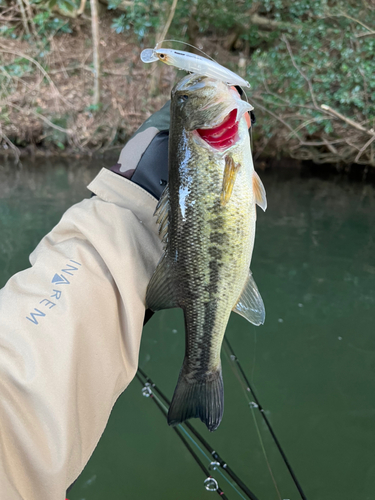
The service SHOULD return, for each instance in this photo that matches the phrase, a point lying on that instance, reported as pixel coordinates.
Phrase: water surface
(312, 363)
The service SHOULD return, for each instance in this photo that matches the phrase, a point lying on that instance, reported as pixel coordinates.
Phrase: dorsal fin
(259, 192)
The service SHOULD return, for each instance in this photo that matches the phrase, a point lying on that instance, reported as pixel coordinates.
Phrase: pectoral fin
(250, 304)
(159, 294)
(259, 192)
(230, 173)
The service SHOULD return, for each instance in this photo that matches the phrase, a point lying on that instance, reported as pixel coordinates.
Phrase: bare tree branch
(10, 144)
(266, 23)
(168, 23)
(304, 124)
(293, 132)
(95, 45)
(363, 148)
(344, 14)
(81, 8)
(350, 122)
(362, 35)
(41, 117)
(300, 71)
(41, 69)
(23, 16)
(30, 18)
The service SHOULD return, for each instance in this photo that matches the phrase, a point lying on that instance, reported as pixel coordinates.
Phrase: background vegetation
(71, 78)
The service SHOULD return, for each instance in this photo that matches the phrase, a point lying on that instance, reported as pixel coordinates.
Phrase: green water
(312, 364)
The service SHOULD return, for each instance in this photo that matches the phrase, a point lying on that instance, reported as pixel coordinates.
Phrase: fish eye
(162, 56)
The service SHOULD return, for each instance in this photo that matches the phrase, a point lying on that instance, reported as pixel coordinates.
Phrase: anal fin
(250, 304)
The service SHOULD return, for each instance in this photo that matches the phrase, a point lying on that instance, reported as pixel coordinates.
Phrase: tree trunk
(95, 49)
(23, 15)
(30, 18)
(193, 31)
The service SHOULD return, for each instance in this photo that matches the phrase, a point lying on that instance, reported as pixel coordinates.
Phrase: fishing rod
(149, 387)
(209, 448)
(210, 483)
(249, 388)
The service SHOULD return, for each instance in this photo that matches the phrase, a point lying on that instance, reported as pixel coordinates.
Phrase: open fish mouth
(223, 135)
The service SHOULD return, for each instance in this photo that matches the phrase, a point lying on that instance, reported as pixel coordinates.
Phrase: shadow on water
(312, 364)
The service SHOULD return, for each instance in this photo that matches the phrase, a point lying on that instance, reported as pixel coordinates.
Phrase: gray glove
(144, 159)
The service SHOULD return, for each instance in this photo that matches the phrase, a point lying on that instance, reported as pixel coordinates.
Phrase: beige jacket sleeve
(70, 331)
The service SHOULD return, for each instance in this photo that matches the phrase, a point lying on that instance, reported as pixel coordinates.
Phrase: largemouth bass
(207, 220)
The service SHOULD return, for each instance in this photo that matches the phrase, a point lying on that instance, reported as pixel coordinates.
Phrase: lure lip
(148, 56)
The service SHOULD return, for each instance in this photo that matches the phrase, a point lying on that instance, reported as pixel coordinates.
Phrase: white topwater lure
(194, 64)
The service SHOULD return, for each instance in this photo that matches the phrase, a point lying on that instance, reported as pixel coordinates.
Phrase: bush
(300, 55)
(310, 63)
(327, 61)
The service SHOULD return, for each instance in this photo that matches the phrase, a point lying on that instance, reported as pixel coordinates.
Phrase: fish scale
(208, 248)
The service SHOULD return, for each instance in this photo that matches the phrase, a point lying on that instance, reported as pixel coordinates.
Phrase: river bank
(304, 111)
(48, 109)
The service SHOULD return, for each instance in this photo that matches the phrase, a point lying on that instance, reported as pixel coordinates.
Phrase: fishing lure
(194, 64)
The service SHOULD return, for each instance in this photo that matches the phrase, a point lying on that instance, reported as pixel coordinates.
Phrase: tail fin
(202, 399)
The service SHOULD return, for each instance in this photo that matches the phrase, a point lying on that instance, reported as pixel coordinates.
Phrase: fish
(206, 218)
